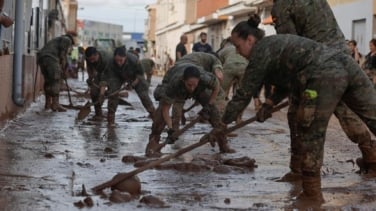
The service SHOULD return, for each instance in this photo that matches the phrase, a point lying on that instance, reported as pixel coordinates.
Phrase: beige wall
(8, 109)
(338, 2)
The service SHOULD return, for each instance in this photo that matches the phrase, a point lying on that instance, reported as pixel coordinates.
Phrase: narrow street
(46, 158)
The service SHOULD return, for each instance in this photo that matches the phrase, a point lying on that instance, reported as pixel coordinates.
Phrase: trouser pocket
(307, 108)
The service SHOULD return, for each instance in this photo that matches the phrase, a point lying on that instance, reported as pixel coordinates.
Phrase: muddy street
(50, 161)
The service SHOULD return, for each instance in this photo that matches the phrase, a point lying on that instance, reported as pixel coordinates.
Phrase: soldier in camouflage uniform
(125, 68)
(52, 58)
(309, 69)
(210, 63)
(315, 20)
(148, 66)
(98, 62)
(183, 81)
(234, 66)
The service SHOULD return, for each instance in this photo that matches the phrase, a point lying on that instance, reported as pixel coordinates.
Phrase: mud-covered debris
(89, 201)
(108, 150)
(49, 155)
(227, 201)
(84, 192)
(222, 169)
(132, 159)
(80, 204)
(131, 185)
(153, 201)
(197, 197)
(84, 165)
(241, 162)
(119, 197)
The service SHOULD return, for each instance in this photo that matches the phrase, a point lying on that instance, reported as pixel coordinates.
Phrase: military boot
(98, 113)
(295, 174)
(367, 163)
(55, 106)
(153, 148)
(224, 146)
(111, 120)
(311, 190)
(48, 102)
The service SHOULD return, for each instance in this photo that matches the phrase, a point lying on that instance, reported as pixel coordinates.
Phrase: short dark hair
(90, 51)
(191, 72)
(203, 33)
(353, 42)
(120, 51)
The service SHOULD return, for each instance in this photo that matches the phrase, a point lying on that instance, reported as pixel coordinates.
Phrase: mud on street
(50, 161)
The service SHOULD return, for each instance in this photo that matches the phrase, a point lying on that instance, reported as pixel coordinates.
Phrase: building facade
(191, 17)
(357, 19)
(89, 31)
(36, 22)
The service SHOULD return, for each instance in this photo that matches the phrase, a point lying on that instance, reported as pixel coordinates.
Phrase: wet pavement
(48, 160)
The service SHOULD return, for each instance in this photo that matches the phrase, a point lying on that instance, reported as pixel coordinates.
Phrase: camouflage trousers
(142, 90)
(148, 78)
(232, 72)
(308, 118)
(114, 85)
(177, 108)
(52, 74)
(159, 122)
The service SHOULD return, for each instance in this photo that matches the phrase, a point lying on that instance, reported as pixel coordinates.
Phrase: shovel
(182, 130)
(86, 109)
(123, 176)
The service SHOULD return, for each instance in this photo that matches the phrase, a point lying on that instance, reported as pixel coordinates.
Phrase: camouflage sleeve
(253, 78)
(217, 65)
(64, 46)
(209, 80)
(169, 93)
(283, 17)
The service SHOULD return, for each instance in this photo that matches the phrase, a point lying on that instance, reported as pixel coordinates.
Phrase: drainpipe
(17, 57)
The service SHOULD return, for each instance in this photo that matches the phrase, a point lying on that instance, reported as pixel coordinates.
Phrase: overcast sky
(129, 13)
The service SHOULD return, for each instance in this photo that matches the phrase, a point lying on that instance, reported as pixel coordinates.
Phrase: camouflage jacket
(97, 71)
(282, 61)
(173, 88)
(57, 48)
(128, 72)
(147, 65)
(207, 61)
(313, 19)
(228, 55)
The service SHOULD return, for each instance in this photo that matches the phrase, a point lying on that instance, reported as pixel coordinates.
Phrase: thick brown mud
(50, 161)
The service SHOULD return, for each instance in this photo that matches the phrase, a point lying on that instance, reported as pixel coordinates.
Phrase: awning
(169, 27)
(211, 19)
(239, 8)
(268, 20)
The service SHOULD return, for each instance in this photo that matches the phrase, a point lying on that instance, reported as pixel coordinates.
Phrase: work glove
(205, 112)
(216, 135)
(170, 138)
(264, 113)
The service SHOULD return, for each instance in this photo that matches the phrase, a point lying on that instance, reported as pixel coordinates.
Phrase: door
(359, 35)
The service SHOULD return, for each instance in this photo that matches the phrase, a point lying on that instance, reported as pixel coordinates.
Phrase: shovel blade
(84, 112)
(124, 102)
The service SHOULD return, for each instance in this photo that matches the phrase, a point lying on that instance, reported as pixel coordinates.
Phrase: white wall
(347, 13)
